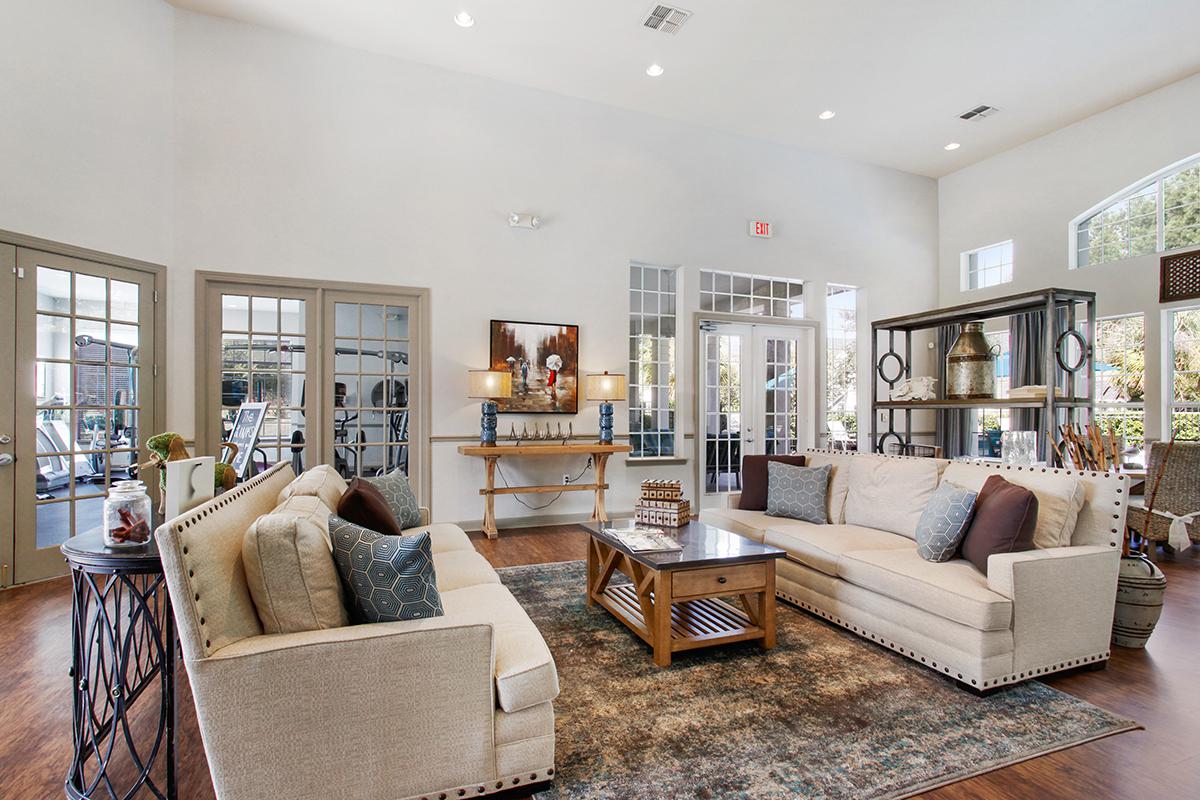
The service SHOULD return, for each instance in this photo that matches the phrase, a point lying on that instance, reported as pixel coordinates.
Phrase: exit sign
(759, 228)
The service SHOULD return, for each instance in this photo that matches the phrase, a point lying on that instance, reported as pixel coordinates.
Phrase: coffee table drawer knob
(722, 579)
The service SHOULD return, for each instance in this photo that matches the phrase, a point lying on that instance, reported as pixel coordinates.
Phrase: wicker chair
(1178, 494)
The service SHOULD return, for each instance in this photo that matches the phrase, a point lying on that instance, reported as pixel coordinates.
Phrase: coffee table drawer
(713, 580)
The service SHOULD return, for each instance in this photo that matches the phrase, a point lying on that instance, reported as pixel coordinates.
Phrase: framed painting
(543, 358)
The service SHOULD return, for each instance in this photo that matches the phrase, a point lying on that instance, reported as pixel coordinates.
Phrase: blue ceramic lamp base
(606, 423)
(487, 422)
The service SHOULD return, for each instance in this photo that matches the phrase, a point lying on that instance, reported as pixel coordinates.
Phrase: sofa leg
(1096, 666)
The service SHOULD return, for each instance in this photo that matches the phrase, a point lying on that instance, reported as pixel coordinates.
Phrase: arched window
(1160, 212)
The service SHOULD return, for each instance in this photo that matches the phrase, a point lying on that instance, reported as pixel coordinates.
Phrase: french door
(755, 398)
(79, 341)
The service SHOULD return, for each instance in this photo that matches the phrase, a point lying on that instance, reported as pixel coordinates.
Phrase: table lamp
(488, 385)
(606, 388)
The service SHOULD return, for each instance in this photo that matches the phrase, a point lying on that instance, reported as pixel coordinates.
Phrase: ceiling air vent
(667, 19)
(978, 111)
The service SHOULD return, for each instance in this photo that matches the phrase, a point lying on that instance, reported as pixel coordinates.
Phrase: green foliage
(847, 418)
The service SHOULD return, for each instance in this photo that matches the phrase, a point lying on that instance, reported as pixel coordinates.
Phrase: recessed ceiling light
(827, 115)
(953, 146)
(463, 20)
(654, 70)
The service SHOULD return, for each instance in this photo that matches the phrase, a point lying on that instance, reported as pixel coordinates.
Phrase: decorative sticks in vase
(1088, 448)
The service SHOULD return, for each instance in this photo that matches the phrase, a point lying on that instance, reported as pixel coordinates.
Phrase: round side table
(123, 648)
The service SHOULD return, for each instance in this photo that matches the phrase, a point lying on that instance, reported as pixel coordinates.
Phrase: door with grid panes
(369, 353)
(84, 400)
(755, 399)
(267, 354)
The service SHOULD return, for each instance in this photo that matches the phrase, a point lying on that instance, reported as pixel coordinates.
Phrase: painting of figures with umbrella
(543, 359)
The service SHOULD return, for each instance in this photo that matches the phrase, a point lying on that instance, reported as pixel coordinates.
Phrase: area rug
(823, 715)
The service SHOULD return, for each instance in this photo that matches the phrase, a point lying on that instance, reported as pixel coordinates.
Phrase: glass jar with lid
(127, 515)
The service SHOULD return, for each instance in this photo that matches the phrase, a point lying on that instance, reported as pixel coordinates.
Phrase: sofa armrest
(425, 515)
(1063, 599)
(411, 703)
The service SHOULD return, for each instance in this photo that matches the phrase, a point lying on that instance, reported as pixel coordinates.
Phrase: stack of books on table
(644, 540)
(1031, 392)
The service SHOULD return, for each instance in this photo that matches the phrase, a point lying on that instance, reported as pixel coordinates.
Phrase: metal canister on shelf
(971, 365)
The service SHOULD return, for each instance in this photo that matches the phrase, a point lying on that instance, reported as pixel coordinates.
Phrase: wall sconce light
(523, 220)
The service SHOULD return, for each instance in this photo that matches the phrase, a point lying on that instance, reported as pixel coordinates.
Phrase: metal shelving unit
(895, 364)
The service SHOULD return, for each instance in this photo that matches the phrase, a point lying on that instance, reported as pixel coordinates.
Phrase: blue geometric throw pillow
(798, 492)
(944, 522)
(391, 578)
(400, 498)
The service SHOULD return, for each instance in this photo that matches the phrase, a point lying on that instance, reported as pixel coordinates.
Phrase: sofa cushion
(954, 590)
(839, 477)
(321, 481)
(890, 493)
(391, 578)
(798, 492)
(821, 546)
(754, 480)
(750, 524)
(363, 504)
(1060, 496)
(458, 568)
(291, 575)
(944, 522)
(444, 536)
(309, 507)
(400, 498)
(525, 672)
(1004, 522)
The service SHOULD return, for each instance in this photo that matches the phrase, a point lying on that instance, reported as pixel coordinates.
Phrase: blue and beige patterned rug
(824, 715)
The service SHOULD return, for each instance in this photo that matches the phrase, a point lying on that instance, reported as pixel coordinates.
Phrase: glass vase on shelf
(1018, 447)
(127, 520)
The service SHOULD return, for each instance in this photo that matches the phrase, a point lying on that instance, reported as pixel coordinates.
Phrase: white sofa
(453, 706)
(1033, 613)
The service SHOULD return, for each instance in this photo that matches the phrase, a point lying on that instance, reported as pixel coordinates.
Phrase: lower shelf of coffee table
(694, 623)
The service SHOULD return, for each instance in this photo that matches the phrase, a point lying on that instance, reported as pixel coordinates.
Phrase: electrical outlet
(566, 479)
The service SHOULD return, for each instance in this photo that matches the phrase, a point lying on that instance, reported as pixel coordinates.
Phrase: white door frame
(810, 407)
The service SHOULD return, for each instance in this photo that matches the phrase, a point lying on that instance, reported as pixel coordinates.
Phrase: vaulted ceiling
(896, 72)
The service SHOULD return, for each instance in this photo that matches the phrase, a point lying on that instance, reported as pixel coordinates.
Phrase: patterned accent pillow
(798, 492)
(400, 498)
(944, 522)
(390, 577)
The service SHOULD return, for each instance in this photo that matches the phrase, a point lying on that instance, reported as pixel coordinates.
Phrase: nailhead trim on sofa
(478, 790)
(1014, 677)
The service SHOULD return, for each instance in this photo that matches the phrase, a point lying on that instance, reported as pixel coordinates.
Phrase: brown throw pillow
(754, 479)
(1005, 521)
(364, 505)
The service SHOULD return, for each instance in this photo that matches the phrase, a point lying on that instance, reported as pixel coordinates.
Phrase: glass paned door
(371, 353)
(84, 396)
(756, 396)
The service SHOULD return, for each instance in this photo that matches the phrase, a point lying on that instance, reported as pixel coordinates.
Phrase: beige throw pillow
(291, 575)
(321, 481)
(1060, 497)
(890, 494)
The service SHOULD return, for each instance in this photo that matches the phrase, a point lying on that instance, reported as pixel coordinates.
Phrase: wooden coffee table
(673, 600)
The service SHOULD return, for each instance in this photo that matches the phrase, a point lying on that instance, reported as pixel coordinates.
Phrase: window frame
(965, 266)
(832, 290)
(1120, 407)
(711, 277)
(1155, 179)
(671, 363)
(1171, 405)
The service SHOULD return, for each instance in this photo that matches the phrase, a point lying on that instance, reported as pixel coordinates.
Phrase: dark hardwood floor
(1158, 687)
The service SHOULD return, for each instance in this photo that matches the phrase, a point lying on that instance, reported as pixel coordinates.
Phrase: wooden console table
(492, 454)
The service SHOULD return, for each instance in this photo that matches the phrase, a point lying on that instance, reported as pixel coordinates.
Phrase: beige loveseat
(1033, 613)
(453, 706)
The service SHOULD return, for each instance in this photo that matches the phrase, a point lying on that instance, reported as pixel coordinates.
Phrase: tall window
(652, 361)
(841, 359)
(1185, 373)
(1161, 212)
(990, 423)
(756, 295)
(987, 266)
(1120, 365)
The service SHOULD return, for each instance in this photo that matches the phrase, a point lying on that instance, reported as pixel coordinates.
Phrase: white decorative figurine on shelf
(921, 388)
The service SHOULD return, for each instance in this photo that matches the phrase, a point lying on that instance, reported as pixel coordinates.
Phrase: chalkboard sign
(246, 425)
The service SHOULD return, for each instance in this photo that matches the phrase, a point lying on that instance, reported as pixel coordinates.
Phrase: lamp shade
(488, 384)
(605, 387)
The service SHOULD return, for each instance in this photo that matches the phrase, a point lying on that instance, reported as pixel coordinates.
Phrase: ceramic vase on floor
(1140, 589)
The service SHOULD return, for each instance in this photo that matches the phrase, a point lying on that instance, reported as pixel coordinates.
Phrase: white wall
(299, 158)
(283, 156)
(86, 147)
(1031, 193)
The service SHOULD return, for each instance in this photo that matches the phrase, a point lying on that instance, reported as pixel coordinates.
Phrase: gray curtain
(1027, 361)
(953, 429)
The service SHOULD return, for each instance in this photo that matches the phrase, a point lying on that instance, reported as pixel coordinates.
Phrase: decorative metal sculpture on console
(971, 365)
